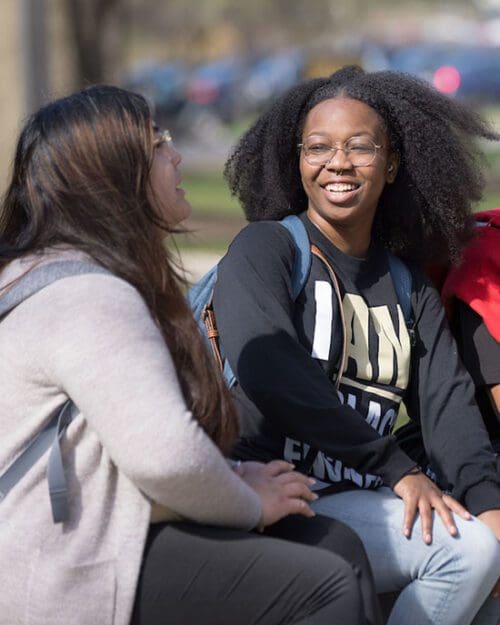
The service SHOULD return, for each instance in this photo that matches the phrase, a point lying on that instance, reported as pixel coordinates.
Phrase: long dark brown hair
(80, 179)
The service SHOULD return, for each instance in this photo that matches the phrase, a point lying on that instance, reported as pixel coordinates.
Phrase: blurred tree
(96, 27)
(192, 28)
(108, 33)
(195, 28)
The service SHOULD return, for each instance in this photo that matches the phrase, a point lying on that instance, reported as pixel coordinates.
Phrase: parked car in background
(163, 85)
(270, 76)
(469, 72)
(217, 86)
(478, 74)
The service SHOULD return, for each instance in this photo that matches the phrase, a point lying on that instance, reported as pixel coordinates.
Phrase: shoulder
(96, 298)
(88, 318)
(262, 255)
(261, 234)
(71, 299)
(262, 242)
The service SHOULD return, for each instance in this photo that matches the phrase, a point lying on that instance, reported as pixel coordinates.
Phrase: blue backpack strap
(200, 294)
(302, 260)
(200, 297)
(402, 281)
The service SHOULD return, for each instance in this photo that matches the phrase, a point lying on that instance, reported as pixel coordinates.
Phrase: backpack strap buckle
(208, 317)
(412, 333)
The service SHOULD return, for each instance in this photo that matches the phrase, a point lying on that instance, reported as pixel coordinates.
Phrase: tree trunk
(93, 26)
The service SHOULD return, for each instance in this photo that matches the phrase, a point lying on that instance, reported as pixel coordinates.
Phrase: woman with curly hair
(374, 165)
(156, 523)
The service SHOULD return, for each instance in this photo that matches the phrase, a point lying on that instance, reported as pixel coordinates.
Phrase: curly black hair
(425, 216)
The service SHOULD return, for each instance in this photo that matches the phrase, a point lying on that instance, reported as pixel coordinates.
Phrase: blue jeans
(445, 583)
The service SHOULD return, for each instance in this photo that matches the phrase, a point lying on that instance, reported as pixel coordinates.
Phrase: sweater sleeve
(98, 343)
(441, 397)
(254, 311)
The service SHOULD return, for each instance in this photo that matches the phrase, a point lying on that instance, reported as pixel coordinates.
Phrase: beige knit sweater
(92, 338)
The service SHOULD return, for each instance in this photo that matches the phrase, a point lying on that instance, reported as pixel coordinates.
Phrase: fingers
(457, 507)
(294, 476)
(419, 493)
(296, 490)
(277, 467)
(299, 506)
(409, 516)
(434, 501)
(444, 512)
(425, 512)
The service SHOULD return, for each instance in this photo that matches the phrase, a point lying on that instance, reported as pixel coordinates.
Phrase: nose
(175, 156)
(339, 160)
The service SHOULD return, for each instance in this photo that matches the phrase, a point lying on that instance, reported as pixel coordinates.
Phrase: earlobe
(392, 169)
(390, 174)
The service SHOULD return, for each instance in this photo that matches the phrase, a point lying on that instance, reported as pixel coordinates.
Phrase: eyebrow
(327, 134)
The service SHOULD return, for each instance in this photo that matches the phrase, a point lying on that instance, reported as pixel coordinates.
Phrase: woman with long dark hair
(154, 527)
(375, 166)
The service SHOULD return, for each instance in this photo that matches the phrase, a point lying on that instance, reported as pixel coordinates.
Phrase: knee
(335, 589)
(350, 547)
(337, 574)
(486, 550)
(480, 551)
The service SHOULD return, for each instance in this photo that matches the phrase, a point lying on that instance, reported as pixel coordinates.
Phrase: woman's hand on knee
(420, 494)
(282, 490)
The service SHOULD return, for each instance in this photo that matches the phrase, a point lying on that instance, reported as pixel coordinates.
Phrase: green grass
(216, 210)
(210, 197)
(208, 194)
(492, 115)
(490, 200)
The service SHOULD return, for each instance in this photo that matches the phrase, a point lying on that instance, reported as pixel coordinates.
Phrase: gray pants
(198, 575)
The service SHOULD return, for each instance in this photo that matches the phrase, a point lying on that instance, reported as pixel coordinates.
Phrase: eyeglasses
(163, 136)
(360, 151)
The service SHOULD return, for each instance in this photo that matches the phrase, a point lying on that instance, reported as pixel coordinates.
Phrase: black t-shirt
(480, 353)
(285, 354)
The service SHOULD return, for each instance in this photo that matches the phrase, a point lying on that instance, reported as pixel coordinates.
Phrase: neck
(351, 241)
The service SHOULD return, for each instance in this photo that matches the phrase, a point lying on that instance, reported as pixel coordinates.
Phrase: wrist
(416, 470)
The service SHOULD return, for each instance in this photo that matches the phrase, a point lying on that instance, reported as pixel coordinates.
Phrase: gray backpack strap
(30, 455)
(50, 437)
(58, 488)
(40, 277)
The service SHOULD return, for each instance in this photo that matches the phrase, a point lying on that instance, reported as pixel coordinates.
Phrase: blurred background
(208, 67)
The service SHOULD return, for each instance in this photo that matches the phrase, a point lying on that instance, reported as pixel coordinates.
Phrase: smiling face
(342, 198)
(164, 179)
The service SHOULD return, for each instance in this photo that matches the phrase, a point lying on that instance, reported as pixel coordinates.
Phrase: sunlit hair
(426, 214)
(80, 180)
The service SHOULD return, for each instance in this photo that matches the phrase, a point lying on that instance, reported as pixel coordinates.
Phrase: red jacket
(476, 280)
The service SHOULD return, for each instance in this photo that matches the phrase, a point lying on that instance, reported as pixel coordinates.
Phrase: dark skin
(342, 202)
(424, 216)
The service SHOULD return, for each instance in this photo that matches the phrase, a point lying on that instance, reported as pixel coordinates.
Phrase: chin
(180, 213)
